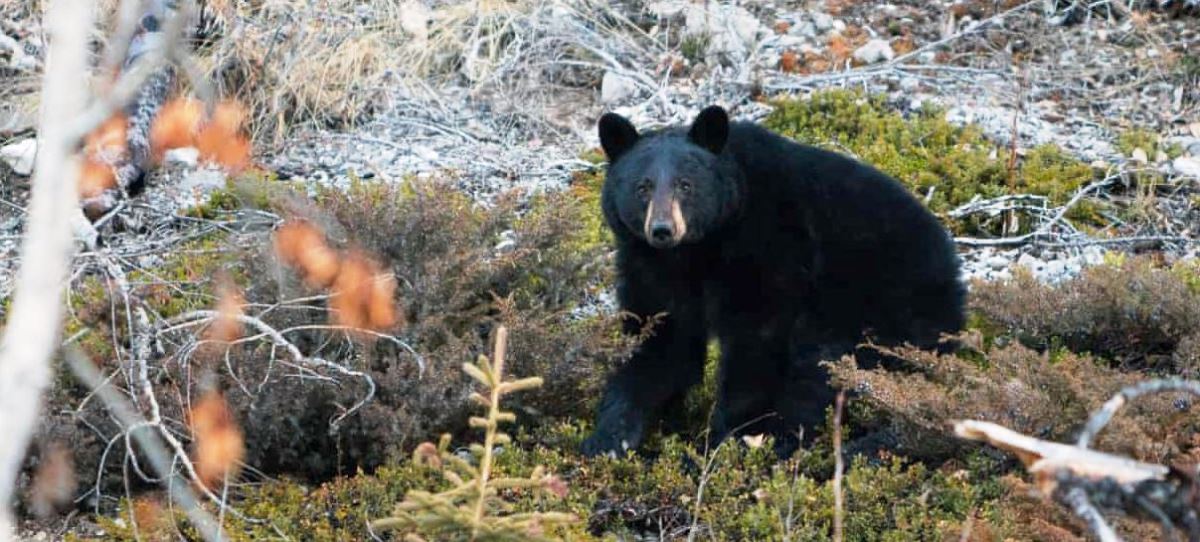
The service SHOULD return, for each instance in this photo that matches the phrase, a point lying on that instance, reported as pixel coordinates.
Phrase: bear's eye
(684, 185)
(643, 187)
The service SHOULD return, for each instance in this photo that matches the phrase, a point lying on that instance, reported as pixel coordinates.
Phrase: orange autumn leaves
(103, 149)
(362, 293)
(362, 298)
(182, 122)
(218, 443)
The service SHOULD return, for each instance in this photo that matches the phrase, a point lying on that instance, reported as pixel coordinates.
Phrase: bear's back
(875, 247)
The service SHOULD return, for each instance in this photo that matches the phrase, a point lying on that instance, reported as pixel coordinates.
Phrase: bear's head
(672, 186)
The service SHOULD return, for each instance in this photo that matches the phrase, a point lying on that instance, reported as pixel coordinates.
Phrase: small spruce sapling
(472, 509)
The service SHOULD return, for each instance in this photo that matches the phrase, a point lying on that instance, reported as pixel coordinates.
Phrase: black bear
(787, 254)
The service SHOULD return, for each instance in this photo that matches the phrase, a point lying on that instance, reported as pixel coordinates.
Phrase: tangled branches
(1085, 480)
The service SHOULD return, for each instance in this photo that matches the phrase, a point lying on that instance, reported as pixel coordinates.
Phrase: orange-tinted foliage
(219, 447)
(363, 295)
(302, 246)
(220, 139)
(54, 484)
(94, 178)
(176, 125)
(108, 141)
(789, 61)
(226, 327)
(102, 149)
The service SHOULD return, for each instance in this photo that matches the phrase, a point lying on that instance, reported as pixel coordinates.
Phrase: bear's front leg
(664, 366)
(752, 363)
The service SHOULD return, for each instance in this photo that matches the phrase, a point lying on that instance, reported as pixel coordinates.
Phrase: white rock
(997, 262)
(199, 183)
(786, 41)
(1073, 267)
(731, 29)
(508, 241)
(668, 9)
(20, 155)
(1187, 166)
(873, 51)
(188, 156)
(1030, 262)
(1055, 270)
(1092, 255)
(425, 153)
(14, 119)
(616, 88)
(1138, 155)
(803, 29)
(822, 21)
(414, 20)
(839, 25)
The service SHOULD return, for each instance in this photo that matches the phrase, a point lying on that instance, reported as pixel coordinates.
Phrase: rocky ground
(1011, 71)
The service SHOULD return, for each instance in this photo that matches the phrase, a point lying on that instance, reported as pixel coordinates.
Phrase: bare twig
(1077, 498)
(31, 335)
(1101, 417)
(160, 458)
(200, 317)
(838, 467)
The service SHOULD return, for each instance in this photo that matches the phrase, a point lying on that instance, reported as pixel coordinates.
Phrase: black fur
(791, 255)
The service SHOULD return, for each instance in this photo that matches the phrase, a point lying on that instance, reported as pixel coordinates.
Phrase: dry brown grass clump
(1136, 314)
(1039, 394)
(296, 62)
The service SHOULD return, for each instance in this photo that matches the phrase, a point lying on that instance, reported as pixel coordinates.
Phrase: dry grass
(338, 64)
(296, 62)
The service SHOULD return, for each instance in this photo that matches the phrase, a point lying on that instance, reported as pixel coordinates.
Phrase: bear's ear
(617, 135)
(710, 129)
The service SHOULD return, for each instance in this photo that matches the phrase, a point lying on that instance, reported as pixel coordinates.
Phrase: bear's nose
(661, 231)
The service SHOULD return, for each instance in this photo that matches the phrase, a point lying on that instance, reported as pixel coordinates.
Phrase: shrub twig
(160, 458)
(838, 467)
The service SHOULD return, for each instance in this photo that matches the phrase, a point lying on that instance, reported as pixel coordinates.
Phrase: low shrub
(1133, 313)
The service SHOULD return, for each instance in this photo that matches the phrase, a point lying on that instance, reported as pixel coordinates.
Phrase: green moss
(586, 187)
(1147, 141)
(943, 164)
(747, 495)
(1188, 271)
(184, 280)
(695, 46)
(252, 189)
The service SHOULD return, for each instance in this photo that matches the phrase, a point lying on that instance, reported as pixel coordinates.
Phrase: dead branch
(202, 317)
(148, 61)
(161, 460)
(1086, 480)
(1045, 232)
(31, 335)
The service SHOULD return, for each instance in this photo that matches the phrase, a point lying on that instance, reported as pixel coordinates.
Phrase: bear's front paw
(613, 437)
(604, 443)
